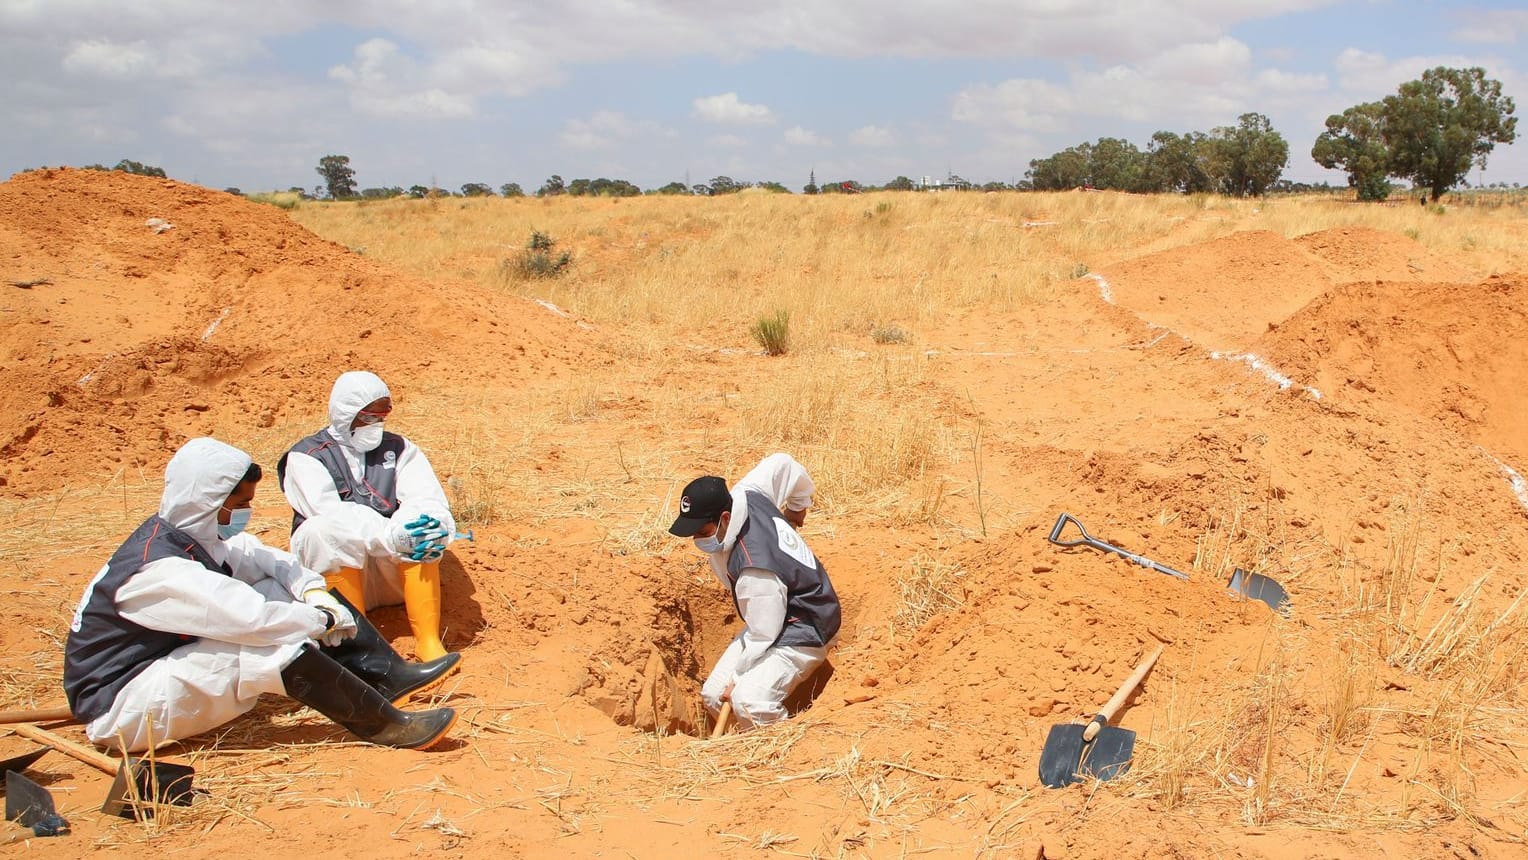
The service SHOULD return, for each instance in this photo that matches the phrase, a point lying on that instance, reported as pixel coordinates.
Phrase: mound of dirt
(1448, 351)
(1366, 254)
(141, 311)
(1226, 293)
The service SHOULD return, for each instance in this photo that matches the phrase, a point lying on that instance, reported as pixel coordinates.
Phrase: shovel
(140, 785)
(22, 762)
(41, 715)
(722, 719)
(31, 806)
(1089, 540)
(1075, 752)
(1255, 586)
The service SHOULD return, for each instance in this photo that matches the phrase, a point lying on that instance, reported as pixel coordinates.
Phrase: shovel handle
(721, 720)
(1060, 526)
(1089, 540)
(95, 759)
(41, 715)
(1107, 712)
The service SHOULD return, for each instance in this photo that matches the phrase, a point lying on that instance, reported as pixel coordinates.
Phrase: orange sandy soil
(1135, 414)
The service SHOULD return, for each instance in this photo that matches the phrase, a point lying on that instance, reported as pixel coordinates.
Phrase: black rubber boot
(321, 683)
(369, 656)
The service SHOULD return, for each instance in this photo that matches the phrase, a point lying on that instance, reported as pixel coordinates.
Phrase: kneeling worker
(191, 620)
(789, 609)
(368, 511)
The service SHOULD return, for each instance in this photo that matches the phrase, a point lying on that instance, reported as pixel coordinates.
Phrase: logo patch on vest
(389, 459)
(792, 545)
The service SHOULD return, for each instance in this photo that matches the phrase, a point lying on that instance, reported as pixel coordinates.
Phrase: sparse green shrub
(773, 333)
(888, 334)
(539, 259)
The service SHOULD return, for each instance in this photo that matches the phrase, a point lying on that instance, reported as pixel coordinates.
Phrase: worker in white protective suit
(368, 511)
(789, 610)
(191, 620)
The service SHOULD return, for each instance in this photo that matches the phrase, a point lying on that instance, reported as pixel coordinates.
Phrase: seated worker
(368, 511)
(789, 609)
(191, 620)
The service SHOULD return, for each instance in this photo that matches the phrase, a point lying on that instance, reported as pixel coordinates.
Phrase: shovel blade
(1255, 586)
(30, 805)
(1062, 756)
(1110, 754)
(143, 785)
(22, 762)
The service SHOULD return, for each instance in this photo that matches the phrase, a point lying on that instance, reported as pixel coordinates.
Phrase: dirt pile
(1225, 293)
(1451, 352)
(150, 310)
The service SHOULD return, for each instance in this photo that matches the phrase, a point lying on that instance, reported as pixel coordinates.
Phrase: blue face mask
(238, 518)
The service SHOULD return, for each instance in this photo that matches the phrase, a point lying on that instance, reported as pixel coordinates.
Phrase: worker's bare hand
(797, 519)
(727, 693)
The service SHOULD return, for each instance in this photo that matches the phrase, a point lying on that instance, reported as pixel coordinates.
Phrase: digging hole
(649, 675)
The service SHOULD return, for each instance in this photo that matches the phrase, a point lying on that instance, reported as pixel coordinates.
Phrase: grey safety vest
(378, 487)
(104, 650)
(767, 541)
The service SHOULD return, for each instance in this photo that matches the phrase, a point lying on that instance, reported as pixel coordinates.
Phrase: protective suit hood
(197, 482)
(352, 391)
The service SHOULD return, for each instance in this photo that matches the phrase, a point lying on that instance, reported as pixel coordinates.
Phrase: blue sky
(252, 95)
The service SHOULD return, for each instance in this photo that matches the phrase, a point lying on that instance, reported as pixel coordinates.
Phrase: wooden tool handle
(42, 715)
(1106, 713)
(721, 720)
(67, 747)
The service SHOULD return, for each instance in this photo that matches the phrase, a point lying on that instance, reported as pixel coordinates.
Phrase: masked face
(708, 544)
(366, 438)
(238, 518)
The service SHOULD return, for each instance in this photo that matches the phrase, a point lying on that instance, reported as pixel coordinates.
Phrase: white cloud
(108, 59)
(384, 82)
(1493, 26)
(798, 136)
(729, 110)
(1026, 103)
(1200, 62)
(1276, 81)
(872, 135)
(609, 128)
(729, 141)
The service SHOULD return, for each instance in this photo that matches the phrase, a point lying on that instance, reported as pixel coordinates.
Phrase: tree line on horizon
(1430, 132)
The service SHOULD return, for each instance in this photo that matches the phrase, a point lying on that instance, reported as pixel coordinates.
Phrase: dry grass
(927, 588)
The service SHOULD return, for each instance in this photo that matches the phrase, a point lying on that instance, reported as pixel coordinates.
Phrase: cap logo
(684, 504)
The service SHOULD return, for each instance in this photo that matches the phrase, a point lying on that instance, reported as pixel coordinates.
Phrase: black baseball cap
(703, 501)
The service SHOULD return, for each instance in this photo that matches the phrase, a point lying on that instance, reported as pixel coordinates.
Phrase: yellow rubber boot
(421, 600)
(350, 582)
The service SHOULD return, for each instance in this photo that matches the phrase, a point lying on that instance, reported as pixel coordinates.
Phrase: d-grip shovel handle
(1060, 526)
(1106, 713)
(1089, 540)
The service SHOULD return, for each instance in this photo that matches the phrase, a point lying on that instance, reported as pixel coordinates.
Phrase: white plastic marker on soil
(1263, 367)
(1515, 480)
(1103, 288)
(215, 323)
(1252, 361)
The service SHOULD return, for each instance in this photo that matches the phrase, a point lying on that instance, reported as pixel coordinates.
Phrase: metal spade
(1074, 752)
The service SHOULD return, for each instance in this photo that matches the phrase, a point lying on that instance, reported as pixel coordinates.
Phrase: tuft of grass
(539, 260)
(888, 334)
(773, 332)
(928, 588)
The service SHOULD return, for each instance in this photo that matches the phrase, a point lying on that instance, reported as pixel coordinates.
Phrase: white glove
(343, 626)
(421, 539)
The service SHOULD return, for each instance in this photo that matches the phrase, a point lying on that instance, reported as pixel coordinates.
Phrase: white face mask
(238, 518)
(708, 544)
(366, 438)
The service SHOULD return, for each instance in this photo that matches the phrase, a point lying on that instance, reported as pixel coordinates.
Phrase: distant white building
(949, 183)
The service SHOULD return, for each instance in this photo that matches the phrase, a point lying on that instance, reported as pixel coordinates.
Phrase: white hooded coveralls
(250, 625)
(762, 673)
(337, 533)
